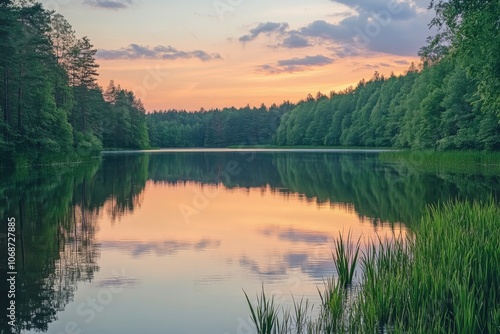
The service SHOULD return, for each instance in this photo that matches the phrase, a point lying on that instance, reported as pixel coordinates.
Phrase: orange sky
(197, 53)
(191, 86)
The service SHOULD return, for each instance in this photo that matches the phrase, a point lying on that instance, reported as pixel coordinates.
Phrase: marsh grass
(444, 279)
(450, 161)
(345, 259)
(264, 314)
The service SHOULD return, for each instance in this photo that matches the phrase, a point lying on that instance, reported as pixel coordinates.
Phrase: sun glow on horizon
(184, 86)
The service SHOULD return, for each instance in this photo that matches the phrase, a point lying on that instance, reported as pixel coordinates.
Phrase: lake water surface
(165, 242)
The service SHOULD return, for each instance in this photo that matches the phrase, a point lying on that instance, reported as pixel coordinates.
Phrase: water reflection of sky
(178, 262)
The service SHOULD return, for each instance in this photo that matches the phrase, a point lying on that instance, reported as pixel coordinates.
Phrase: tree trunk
(83, 105)
(19, 102)
(6, 104)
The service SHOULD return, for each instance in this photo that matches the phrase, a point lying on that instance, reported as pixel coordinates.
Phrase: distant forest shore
(52, 108)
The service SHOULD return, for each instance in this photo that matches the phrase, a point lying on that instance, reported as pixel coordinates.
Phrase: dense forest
(216, 128)
(432, 107)
(438, 107)
(51, 105)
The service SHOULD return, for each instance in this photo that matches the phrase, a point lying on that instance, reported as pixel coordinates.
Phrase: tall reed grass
(444, 279)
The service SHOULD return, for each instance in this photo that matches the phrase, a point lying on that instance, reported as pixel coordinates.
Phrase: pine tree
(83, 77)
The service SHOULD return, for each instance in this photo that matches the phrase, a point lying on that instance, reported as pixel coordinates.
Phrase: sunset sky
(188, 54)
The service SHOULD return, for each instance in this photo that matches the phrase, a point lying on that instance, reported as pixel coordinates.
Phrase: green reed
(264, 314)
(345, 259)
(443, 279)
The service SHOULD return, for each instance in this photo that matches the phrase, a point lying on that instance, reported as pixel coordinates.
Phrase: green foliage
(125, 125)
(50, 103)
(437, 108)
(215, 128)
(87, 143)
(472, 31)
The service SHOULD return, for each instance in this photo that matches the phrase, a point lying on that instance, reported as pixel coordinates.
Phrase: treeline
(217, 127)
(437, 107)
(50, 103)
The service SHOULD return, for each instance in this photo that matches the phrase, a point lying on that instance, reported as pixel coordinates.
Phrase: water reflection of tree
(245, 170)
(118, 185)
(57, 208)
(55, 241)
(378, 192)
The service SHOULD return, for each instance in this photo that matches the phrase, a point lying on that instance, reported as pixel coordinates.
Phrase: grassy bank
(26, 160)
(308, 147)
(445, 279)
(449, 161)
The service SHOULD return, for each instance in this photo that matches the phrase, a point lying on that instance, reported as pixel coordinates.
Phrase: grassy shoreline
(24, 161)
(312, 147)
(445, 157)
(445, 279)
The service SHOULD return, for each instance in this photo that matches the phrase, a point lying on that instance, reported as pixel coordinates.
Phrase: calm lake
(166, 242)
